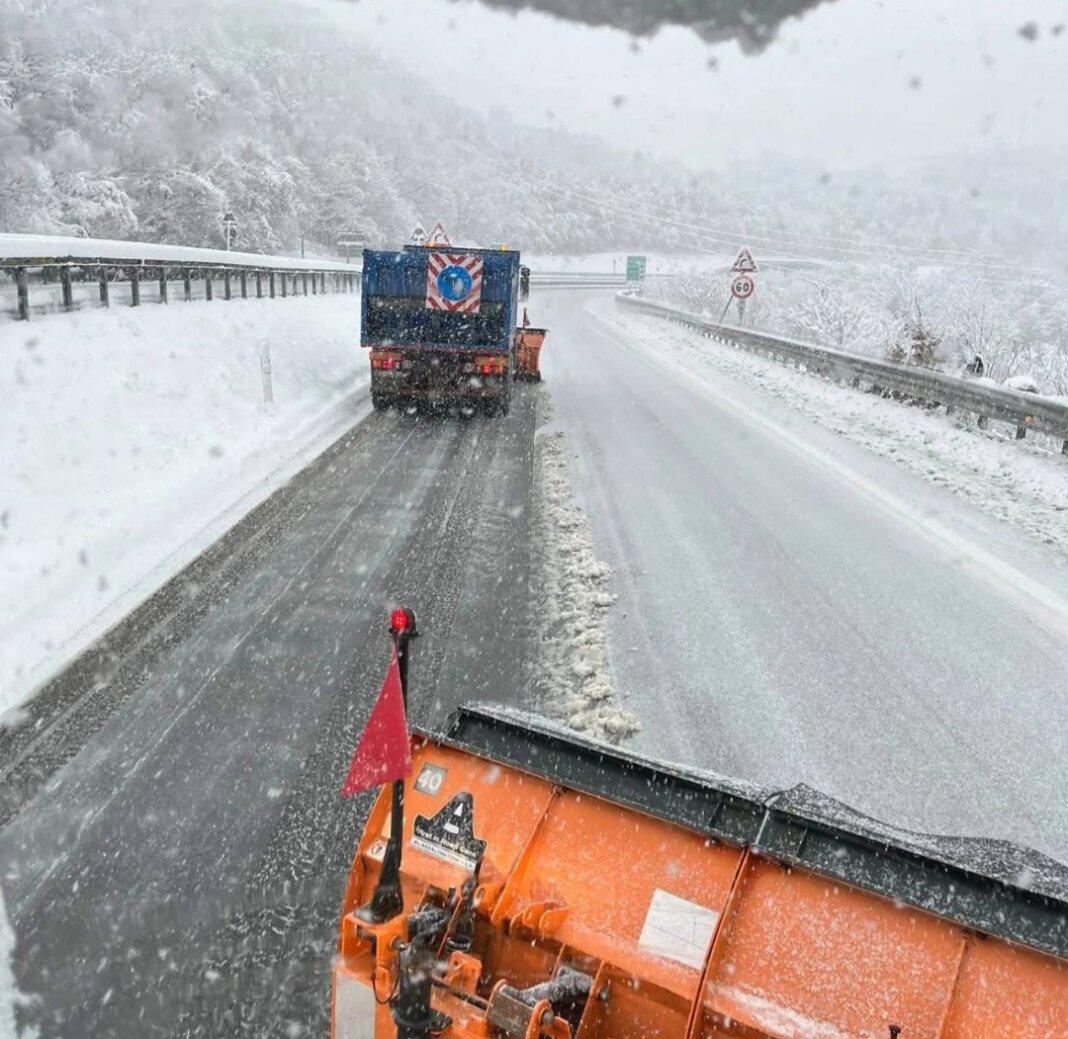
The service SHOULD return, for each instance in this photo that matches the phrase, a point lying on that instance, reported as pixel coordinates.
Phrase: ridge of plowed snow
(573, 601)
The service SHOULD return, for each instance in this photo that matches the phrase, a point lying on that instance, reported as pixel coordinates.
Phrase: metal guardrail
(1023, 410)
(576, 280)
(65, 273)
(52, 273)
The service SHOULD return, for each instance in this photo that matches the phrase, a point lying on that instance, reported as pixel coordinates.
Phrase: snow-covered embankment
(133, 439)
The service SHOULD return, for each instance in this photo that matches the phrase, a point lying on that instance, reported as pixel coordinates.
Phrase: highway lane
(788, 610)
(181, 869)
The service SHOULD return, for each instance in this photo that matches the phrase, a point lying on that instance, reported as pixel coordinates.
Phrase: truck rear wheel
(380, 402)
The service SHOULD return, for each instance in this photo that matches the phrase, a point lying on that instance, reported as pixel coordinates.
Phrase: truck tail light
(491, 365)
(386, 362)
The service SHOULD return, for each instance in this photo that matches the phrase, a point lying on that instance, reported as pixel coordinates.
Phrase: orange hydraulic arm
(554, 889)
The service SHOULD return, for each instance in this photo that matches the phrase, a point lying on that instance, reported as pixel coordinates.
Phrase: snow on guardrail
(67, 273)
(49, 250)
(1026, 411)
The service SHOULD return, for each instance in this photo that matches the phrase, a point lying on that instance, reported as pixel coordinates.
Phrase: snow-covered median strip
(1020, 482)
(134, 439)
(573, 599)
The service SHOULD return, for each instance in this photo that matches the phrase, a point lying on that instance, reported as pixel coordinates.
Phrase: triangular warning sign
(418, 236)
(449, 835)
(744, 262)
(438, 236)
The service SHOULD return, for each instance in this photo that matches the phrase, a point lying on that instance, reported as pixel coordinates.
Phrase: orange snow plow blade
(528, 343)
(561, 888)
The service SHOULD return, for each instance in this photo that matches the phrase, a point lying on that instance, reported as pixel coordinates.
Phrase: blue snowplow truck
(440, 323)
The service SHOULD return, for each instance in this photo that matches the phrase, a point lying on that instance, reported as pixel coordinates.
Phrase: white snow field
(134, 438)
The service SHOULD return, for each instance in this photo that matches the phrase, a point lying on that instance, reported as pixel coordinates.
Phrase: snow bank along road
(794, 608)
(133, 438)
(789, 608)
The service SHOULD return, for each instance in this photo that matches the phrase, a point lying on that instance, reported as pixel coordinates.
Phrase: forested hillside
(147, 120)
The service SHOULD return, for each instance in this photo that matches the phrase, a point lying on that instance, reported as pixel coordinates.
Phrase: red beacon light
(402, 621)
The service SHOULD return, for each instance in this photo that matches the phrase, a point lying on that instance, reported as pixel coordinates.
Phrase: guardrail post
(259, 284)
(284, 280)
(244, 283)
(105, 286)
(135, 287)
(982, 422)
(163, 285)
(1021, 432)
(187, 282)
(22, 290)
(270, 284)
(226, 284)
(304, 282)
(322, 283)
(68, 291)
(209, 287)
(315, 285)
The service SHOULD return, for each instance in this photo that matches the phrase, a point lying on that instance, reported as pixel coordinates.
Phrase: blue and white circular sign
(454, 283)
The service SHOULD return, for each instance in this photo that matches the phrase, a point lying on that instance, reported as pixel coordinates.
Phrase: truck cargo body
(422, 353)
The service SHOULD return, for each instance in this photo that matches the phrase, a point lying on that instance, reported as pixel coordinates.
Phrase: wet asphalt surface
(174, 846)
(784, 614)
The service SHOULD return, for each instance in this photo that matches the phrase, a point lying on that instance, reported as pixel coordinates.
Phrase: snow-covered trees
(152, 120)
(831, 313)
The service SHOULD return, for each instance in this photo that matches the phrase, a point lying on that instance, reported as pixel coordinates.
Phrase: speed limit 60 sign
(742, 287)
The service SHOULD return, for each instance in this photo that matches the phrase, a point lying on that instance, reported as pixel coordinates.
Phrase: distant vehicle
(439, 322)
(1022, 384)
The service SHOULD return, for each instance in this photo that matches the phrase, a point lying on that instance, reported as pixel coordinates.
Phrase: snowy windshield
(762, 473)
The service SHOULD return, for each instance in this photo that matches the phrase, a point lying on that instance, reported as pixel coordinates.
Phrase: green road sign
(635, 268)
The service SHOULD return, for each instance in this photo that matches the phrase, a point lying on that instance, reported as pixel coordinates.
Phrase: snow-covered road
(793, 608)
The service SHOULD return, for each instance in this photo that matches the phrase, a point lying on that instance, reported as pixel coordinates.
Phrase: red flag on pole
(384, 752)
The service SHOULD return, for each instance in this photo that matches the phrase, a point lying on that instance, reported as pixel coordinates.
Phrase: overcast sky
(853, 82)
